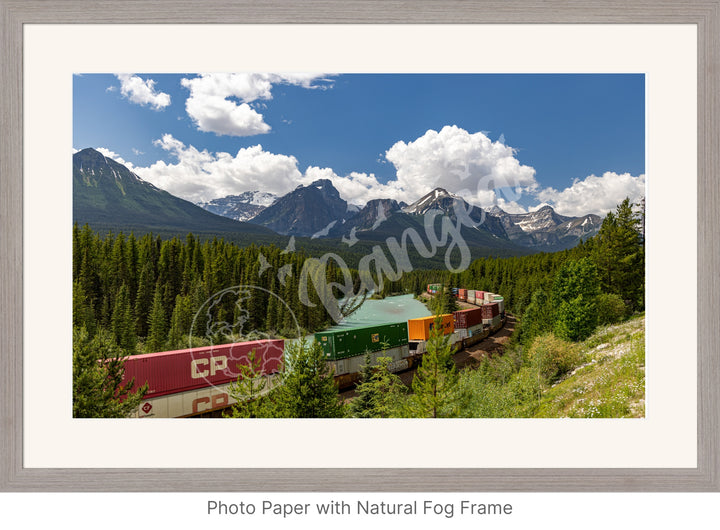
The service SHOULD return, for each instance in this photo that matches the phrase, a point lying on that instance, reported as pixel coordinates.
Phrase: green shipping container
(344, 343)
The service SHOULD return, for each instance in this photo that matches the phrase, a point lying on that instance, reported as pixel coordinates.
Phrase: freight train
(196, 381)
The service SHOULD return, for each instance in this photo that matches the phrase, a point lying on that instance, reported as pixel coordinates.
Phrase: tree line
(150, 294)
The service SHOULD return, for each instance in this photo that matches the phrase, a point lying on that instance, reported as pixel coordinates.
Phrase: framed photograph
(310, 141)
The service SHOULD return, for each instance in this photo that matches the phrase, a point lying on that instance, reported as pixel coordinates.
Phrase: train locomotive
(196, 381)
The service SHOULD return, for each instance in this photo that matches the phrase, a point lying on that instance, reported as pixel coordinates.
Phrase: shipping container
(462, 294)
(467, 318)
(492, 322)
(419, 328)
(460, 334)
(343, 343)
(490, 310)
(488, 296)
(471, 299)
(354, 364)
(475, 330)
(183, 370)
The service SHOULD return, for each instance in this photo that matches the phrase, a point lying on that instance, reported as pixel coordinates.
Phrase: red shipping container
(182, 370)
(468, 318)
(490, 310)
(462, 294)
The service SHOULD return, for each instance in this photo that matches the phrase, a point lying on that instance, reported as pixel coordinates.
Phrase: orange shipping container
(419, 328)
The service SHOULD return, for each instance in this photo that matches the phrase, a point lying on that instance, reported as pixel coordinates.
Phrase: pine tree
(537, 319)
(143, 300)
(180, 321)
(308, 389)
(435, 383)
(379, 391)
(98, 369)
(123, 322)
(83, 314)
(620, 256)
(157, 330)
(574, 291)
(249, 390)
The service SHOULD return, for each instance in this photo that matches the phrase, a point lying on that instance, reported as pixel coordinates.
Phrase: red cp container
(175, 371)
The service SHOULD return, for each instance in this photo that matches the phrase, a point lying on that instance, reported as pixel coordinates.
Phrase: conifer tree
(435, 383)
(619, 254)
(308, 389)
(157, 330)
(180, 321)
(537, 319)
(123, 322)
(249, 390)
(98, 369)
(574, 291)
(379, 391)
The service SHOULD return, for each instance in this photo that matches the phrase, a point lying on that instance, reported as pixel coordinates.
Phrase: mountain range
(241, 207)
(108, 195)
(318, 211)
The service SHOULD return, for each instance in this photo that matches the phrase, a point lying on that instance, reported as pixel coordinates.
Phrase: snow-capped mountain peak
(242, 207)
(430, 201)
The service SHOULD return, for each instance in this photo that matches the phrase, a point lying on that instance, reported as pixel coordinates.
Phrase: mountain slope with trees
(108, 194)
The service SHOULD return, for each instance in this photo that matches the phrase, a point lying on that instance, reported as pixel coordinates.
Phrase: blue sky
(576, 142)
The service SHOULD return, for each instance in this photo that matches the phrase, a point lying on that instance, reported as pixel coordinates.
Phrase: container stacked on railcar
(196, 380)
(345, 349)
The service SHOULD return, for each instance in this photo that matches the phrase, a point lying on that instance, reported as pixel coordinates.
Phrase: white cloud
(510, 206)
(597, 195)
(211, 108)
(467, 164)
(142, 92)
(201, 175)
(357, 188)
(112, 154)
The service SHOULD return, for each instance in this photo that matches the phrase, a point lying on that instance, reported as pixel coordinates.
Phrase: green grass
(610, 381)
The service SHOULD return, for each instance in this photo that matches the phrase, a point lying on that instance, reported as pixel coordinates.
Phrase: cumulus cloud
(202, 176)
(142, 91)
(510, 206)
(357, 188)
(461, 162)
(220, 103)
(593, 194)
(112, 154)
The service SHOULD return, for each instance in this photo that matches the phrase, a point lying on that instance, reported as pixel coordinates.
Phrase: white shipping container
(352, 365)
(475, 330)
(458, 335)
(471, 299)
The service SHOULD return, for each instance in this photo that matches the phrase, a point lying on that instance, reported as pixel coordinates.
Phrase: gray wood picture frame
(15, 13)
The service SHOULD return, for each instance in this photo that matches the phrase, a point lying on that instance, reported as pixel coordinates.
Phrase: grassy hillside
(609, 382)
(601, 377)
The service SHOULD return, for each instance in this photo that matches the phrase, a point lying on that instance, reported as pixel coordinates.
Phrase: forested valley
(143, 294)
